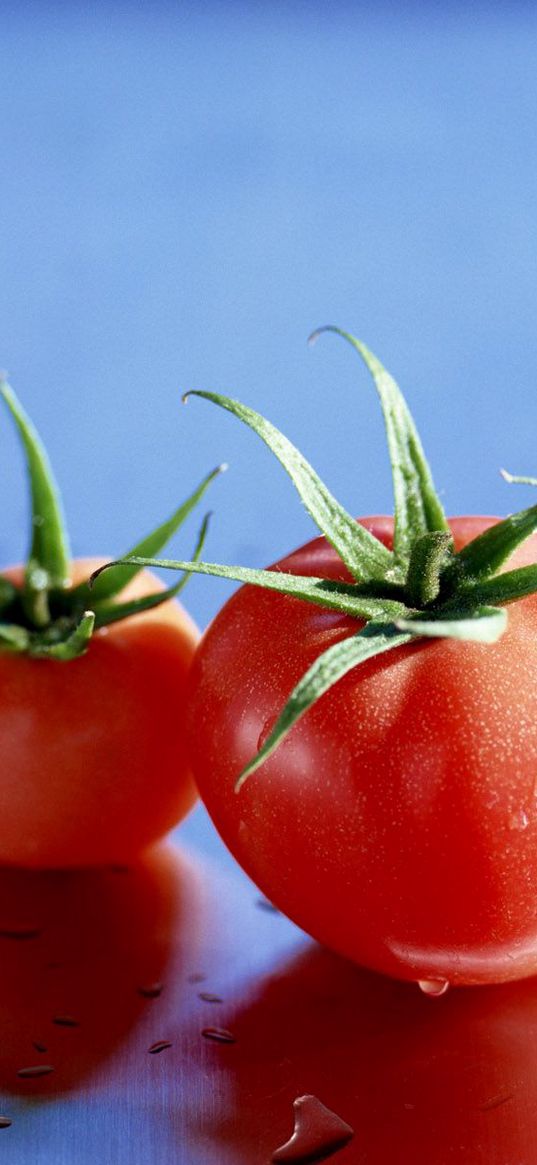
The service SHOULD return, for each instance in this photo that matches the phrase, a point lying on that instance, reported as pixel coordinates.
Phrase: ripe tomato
(363, 723)
(93, 765)
(397, 822)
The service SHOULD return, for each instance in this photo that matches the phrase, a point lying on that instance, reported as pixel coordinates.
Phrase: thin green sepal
(343, 597)
(517, 478)
(13, 638)
(67, 649)
(111, 583)
(483, 625)
(418, 509)
(502, 588)
(114, 612)
(363, 554)
(487, 553)
(334, 663)
(49, 550)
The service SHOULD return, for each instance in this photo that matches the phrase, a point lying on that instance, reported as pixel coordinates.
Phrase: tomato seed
(5, 1122)
(159, 1046)
(208, 997)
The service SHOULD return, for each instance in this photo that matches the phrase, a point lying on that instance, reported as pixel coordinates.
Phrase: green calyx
(46, 617)
(421, 589)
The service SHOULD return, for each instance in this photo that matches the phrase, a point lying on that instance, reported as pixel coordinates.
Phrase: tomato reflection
(421, 1080)
(81, 956)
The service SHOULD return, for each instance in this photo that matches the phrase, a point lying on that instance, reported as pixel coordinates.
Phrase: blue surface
(187, 190)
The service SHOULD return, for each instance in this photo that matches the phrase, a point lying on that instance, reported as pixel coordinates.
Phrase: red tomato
(397, 823)
(93, 766)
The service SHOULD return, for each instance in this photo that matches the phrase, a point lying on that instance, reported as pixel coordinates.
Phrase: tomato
(397, 821)
(93, 763)
(92, 678)
(362, 720)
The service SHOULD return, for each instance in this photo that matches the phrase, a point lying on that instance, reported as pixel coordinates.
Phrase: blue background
(187, 190)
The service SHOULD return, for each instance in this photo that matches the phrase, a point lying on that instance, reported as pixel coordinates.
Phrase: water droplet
(20, 933)
(34, 1071)
(266, 731)
(318, 1132)
(495, 1102)
(150, 990)
(159, 1046)
(433, 987)
(66, 1021)
(220, 1034)
(519, 820)
(264, 904)
(208, 997)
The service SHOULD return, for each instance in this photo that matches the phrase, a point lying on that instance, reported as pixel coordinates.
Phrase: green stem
(427, 559)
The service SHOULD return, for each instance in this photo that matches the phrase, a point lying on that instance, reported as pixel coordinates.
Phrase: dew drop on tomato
(433, 987)
(519, 820)
(265, 731)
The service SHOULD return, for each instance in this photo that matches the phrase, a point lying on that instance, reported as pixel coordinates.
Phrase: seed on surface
(159, 1046)
(208, 997)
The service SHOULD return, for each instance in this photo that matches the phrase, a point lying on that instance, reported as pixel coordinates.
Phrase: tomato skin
(93, 766)
(397, 823)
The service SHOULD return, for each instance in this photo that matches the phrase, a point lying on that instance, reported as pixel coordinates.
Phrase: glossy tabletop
(187, 190)
(179, 1017)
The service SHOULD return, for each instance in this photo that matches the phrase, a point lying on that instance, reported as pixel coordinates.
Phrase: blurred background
(189, 189)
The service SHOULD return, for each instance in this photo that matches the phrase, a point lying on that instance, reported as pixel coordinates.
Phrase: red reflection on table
(422, 1081)
(80, 954)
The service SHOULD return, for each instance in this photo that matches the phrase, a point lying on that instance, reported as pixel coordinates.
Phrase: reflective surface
(117, 975)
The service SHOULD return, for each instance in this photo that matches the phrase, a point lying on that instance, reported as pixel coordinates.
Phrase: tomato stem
(428, 557)
(46, 617)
